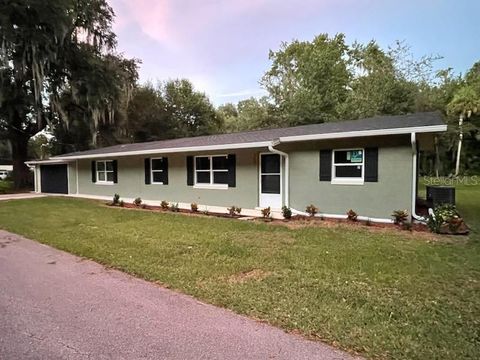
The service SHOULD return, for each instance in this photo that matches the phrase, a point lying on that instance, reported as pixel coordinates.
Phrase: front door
(270, 181)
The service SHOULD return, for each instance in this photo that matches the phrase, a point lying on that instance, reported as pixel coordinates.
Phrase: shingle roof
(376, 123)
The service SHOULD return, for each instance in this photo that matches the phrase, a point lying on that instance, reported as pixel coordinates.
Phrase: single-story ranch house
(367, 165)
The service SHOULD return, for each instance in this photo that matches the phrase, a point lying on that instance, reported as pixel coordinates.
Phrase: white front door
(270, 181)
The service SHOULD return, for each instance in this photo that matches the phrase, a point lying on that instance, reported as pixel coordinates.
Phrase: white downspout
(413, 139)
(287, 173)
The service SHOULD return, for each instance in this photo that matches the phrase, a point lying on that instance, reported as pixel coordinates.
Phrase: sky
(222, 46)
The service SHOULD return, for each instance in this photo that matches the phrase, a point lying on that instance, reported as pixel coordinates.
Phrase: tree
(44, 45)
(308, 80)
(191, 112)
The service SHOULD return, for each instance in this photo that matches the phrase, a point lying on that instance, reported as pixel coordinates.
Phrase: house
(368, 165)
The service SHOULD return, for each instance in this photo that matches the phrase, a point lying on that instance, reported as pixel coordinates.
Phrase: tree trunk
(22, 177)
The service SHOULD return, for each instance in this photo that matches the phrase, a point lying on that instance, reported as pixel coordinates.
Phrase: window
(156, 169)
(211, 171)
(105, 171)
(348, 166)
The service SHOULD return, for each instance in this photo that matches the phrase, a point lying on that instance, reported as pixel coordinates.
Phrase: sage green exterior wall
(131, 181)
(373, 199)
(392, 191)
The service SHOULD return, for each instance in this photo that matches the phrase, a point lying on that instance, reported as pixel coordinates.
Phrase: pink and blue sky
(222, 45)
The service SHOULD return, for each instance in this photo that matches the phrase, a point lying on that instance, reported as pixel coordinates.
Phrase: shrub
(164, 205)
(368, 222)
(137, 201)
(174, 207)
(194, 207)
(407, 225)
(234, 210)
(352, 215)
(443, 214)
(121, 203)
(116, 199)
(144, 206)
(286, 212)
(400, 216)
(266, 213)
(311, 210)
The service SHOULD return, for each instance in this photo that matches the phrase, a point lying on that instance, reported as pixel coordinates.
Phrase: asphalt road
(57, 306)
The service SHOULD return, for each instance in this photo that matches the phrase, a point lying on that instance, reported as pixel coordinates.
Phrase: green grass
(384, 295)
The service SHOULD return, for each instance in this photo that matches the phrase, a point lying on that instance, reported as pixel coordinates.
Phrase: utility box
(438, 195)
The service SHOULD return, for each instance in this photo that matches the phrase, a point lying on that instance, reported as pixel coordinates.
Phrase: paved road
(57, 306)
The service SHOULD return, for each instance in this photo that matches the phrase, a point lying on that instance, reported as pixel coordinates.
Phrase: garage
(54, 178)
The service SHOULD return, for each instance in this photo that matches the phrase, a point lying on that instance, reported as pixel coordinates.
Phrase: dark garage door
(54, 179)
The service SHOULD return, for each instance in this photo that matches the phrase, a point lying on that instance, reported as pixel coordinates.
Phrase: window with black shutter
(211, 171)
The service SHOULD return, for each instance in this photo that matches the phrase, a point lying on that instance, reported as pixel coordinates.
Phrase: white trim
(168, 151)
(105, 171)
(413, 140)
(361, 133)
(158, 171)
(47, 162)
(260, 178)
(76, 167)
(211, 186)
(211, 171)
(348, 180)
(68, 179)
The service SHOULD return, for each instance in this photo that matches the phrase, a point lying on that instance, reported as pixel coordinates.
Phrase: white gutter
(287, 172)
(344, 217)
(46, 162)
(379, 132)
(417, 217)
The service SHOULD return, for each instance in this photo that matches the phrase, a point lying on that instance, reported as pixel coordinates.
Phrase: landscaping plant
(444, 219)
(234, 210)
(164, 205)
(174, 207)
(400, 216)
(286, 212)
(194, 207)
(352, 215)
(311, 210)
(116, 199)
(266, 213)
(137, 201)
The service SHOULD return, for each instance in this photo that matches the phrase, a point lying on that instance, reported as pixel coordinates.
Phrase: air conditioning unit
(438, 195)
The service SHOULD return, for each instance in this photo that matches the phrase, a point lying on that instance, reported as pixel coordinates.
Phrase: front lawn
(383, 294)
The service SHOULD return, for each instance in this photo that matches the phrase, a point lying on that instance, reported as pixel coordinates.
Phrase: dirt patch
(251, 275)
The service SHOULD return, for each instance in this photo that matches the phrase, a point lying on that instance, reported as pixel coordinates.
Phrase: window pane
(271, 184)
(109, 165)
(271, 163)
(100, 176)
(348, 171)
(109, 176)
(220, 177)
(157, 176)
(220, 162)
(348, 157)
(202, 163)
(100, 166)
(157, 164)
(203, 177)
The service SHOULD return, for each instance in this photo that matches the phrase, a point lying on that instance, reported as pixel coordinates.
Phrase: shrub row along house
(368, 165)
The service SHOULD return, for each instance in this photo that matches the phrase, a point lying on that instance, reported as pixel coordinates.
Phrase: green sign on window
(356, 156)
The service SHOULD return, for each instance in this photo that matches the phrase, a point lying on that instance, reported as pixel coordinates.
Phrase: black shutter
(325, 165)
(115, 171)
(147, 171)
(165, 171)
(371, 165)
(232, 170)
(94, 171)
(190, 170)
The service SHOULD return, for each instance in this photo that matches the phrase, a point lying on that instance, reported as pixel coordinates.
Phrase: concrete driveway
(54, 305)
(27, 195)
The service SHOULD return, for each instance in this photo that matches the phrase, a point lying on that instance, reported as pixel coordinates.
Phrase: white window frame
(155, 171)
(103, 182)
(348, 180)
(210, 185)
